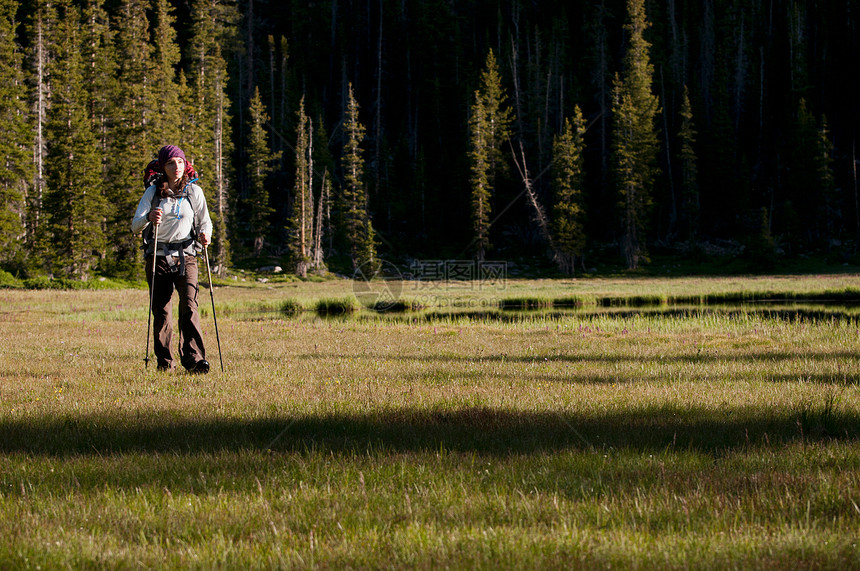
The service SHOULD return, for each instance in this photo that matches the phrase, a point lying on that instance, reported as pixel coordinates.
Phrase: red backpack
(152, 174)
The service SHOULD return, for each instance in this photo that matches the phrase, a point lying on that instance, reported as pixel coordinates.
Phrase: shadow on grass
(643, 361)
(479, 430)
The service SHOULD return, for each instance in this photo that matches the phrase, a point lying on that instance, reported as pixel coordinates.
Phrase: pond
(779, 310)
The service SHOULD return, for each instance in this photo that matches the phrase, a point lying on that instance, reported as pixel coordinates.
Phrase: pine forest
(332, 134)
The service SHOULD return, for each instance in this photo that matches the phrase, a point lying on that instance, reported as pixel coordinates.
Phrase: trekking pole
(212, 297)
(151, 295)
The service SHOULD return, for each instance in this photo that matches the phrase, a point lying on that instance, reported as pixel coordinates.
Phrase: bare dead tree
(539, 212)
(40, 147)
(319, 230)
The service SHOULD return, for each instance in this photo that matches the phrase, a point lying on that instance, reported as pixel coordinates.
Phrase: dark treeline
(753, 135)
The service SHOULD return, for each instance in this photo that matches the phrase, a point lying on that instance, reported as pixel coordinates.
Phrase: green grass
(339, 306)
(291, 307)
(583, 439)
(568, 301)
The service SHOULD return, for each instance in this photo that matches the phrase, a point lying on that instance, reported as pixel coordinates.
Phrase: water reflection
(782, 311)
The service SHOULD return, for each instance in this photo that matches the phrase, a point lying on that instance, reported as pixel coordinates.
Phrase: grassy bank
(590, 441)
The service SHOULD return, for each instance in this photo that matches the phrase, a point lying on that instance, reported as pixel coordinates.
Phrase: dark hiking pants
(166, 279)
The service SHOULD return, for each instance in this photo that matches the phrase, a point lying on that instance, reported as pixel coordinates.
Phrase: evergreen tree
(597, 61)
(489, 127)
(324, 234)
(16, 168)
(359, 229)
(260, 165)
(749, 65)
(73, 201)
(760, 247)
(41, 31)
(100, 72)
(320, 224)
(222, 172)
(301, 220)
(129, 150)
(482, 190)
(568, 214)
(165, 117)
(213, 25)
(829, 213)
(189, 130)
(635, 138)
(803, 192)
(688, 168)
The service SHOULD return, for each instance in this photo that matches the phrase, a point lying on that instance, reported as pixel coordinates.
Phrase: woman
(177, 207)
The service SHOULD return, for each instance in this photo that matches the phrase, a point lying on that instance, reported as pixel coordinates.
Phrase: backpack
(152, 175)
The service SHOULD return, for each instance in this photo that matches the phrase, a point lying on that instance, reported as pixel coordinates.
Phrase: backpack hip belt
(180, 246)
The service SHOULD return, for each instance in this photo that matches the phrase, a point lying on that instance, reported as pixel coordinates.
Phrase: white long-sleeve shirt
(178, 215)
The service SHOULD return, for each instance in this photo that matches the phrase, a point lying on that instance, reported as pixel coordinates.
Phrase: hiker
(177, 208)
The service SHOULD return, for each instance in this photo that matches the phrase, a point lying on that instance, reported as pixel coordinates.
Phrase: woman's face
(173, 169)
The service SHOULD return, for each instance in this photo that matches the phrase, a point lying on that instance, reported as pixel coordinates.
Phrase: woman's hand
(155, 216)
(203, 239)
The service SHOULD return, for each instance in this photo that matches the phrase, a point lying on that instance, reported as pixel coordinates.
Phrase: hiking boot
(200, 367)
(164, 367)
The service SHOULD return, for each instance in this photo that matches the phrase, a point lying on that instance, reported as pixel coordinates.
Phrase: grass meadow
(459, 435)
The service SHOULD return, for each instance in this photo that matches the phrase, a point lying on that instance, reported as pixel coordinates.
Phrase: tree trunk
(220, 183)
(40, 146)
(540, 213)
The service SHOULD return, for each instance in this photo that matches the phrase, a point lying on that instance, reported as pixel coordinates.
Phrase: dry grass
(588, 440)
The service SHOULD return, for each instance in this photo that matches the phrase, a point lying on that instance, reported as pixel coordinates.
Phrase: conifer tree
(41, 33)
(284, 72)
(829, 213)
(213, 25)
(189, 132)
(568, 214)
(16, 168)
(301, 220)
(482, 189)
(802, 187)
(129, 149)
(635, 138)
(359, 229)
(100, 72)
(688, 168)
(489, 127)
(260, 164)
(324, 233)
(222, 148)
(162, 89)
(73, 201)
(322, 215)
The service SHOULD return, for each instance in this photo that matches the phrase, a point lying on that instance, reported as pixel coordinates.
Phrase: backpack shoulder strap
(186, 193)
(156, 200)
